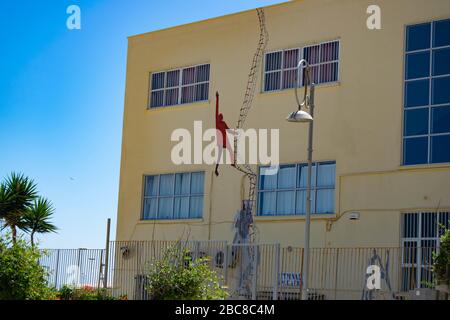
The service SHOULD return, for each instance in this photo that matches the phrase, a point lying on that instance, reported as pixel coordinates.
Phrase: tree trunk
(32, 238)
(14, 234)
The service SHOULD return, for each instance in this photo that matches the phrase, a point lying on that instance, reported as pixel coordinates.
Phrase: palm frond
(37, 218)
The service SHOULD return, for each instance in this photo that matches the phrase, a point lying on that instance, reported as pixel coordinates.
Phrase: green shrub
(21, 276)
(83, 293)
(441, 266)
(178, 277)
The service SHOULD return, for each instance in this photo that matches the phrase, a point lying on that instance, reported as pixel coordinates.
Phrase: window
(420, 238)
(280, 67)
(173, 196)
(285, 192)
(179, 86)
(426, 119)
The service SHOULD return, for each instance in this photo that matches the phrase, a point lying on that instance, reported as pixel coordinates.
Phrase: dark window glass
(440, 119)
(157, 98)
(418, 37)
(272, 81)
(441, 62)
(415, 150)
(312, 54)
(410, 225)
(173, 78)
(417, 93)
(158, 80)
(290, 59)
(289, 78)
(417, 65)
(171, 96)
(441, 90)
(188, 75)
(329, 72)
(441, 32)
(188, 94)
(273, 61)
(428, 225)
(202, 73)
(416, 122)
(201, 92)
(329, 51)
(440, 149)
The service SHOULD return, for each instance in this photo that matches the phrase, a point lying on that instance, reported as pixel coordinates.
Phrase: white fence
(251, 271)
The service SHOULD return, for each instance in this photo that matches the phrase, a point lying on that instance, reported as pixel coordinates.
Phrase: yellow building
(381, 124)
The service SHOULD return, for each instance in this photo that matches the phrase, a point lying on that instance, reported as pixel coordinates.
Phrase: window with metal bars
(420, 238)
(280, 67)
(173, 196)
(179, 86)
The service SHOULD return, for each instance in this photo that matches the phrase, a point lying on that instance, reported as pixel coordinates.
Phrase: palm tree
(37, 218)
(16, 195)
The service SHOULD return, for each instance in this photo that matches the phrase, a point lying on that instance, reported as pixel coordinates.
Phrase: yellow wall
(358, 121)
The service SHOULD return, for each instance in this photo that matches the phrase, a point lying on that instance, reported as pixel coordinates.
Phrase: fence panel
(77, 267)
(250, 271)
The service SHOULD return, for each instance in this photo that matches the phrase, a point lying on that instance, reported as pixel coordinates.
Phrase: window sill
(280, 218)
(178, 107)
(445, 165)
(171, 221)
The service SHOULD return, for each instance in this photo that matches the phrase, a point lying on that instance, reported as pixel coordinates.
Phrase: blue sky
(61, 100)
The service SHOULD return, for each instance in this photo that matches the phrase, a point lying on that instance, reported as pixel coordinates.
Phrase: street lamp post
(303, 116)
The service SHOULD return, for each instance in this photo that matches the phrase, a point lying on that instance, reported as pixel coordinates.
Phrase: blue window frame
(173, 196)
(426, 122)
(285, 192)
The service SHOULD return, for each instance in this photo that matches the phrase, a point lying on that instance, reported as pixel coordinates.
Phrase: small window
(285, 193)
(426, 132)
(179, 86)
(280, 67)
(173, 196)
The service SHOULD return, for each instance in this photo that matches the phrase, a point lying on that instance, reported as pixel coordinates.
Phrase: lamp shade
(299, 116)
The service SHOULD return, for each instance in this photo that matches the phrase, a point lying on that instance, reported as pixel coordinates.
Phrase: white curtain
(266, 205)
(285, 202)
(165, 210)
(196, 207)
(181, 208)
(197, 182)
(166, 184)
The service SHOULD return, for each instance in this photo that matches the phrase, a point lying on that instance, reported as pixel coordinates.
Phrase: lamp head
(299, 116)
